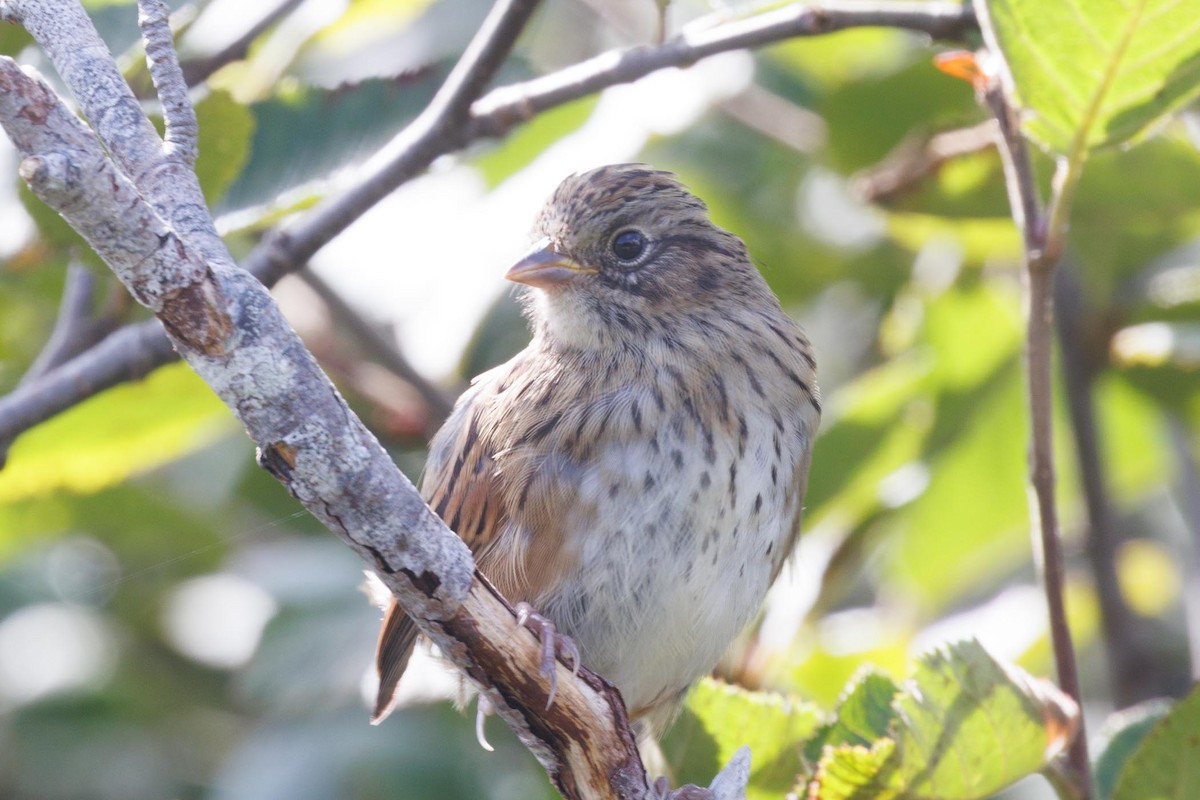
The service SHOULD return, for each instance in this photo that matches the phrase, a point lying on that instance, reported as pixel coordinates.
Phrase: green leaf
(863, 716)
(965, 726)
(224, 142)
(304, 134)
(1121, 735)
(1093, 73)
(111, 436)
(1166, 765)
(718, 719)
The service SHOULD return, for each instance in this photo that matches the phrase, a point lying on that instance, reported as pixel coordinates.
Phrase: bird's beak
(544, 266)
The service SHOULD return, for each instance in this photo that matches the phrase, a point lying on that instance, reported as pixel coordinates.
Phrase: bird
(636, 474)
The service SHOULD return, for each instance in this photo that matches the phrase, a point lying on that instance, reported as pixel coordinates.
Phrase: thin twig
(179, 118)
(499, 110)
(128, 354)
(917, 157)
(380, 348)
(197, 70)
(1039, 267)
(411, 151)
(72, 328)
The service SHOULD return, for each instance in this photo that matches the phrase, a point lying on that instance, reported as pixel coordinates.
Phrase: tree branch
(72, 327)
(179, 118)
(1039, 267)
(198, 70)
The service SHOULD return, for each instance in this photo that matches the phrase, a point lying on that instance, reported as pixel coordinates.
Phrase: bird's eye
(629, 245)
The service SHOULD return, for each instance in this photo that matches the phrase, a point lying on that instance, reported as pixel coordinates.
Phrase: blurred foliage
(127, 671)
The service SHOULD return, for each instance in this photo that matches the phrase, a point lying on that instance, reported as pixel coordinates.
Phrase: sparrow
(636, 474)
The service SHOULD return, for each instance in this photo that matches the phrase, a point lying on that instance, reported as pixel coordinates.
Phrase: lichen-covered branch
(179, 117)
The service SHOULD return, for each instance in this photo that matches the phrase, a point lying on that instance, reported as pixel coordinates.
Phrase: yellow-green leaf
(117, 433)
(1091, 73)
(965, 726)
(719, 719)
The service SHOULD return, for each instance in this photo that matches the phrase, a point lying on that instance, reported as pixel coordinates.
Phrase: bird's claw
(553, 644)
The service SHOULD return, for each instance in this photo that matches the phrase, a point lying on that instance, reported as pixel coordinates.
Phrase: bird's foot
(554, 644)
(483, 710)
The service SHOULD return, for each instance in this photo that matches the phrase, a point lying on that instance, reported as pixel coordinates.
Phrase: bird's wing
(483, 470)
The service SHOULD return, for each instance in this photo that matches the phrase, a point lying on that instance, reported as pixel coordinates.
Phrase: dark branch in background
(916, 158)
(73, 327)
(1132, 666)
(1039, 267)
(381, 348)
(198, 70)
(1188, 493)
(428, 137)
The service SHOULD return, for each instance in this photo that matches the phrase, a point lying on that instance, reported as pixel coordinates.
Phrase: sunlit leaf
(1096, 73)
(966, 726)
(1166, 765)
(115, 434)
(863, 716)
(719, 719)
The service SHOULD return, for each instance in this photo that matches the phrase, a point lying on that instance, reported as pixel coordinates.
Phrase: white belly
(684, 556)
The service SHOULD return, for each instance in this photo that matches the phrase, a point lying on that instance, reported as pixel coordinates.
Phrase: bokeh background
(173, 626)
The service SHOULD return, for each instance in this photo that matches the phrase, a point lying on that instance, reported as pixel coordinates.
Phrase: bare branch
(1039, 266)
(125, 355)
(72, 327)
(495, 113)
(1129, 662)
(915, 158)
(179, 117)
(198, 70)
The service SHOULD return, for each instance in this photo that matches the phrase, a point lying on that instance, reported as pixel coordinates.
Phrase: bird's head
(623, 249)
